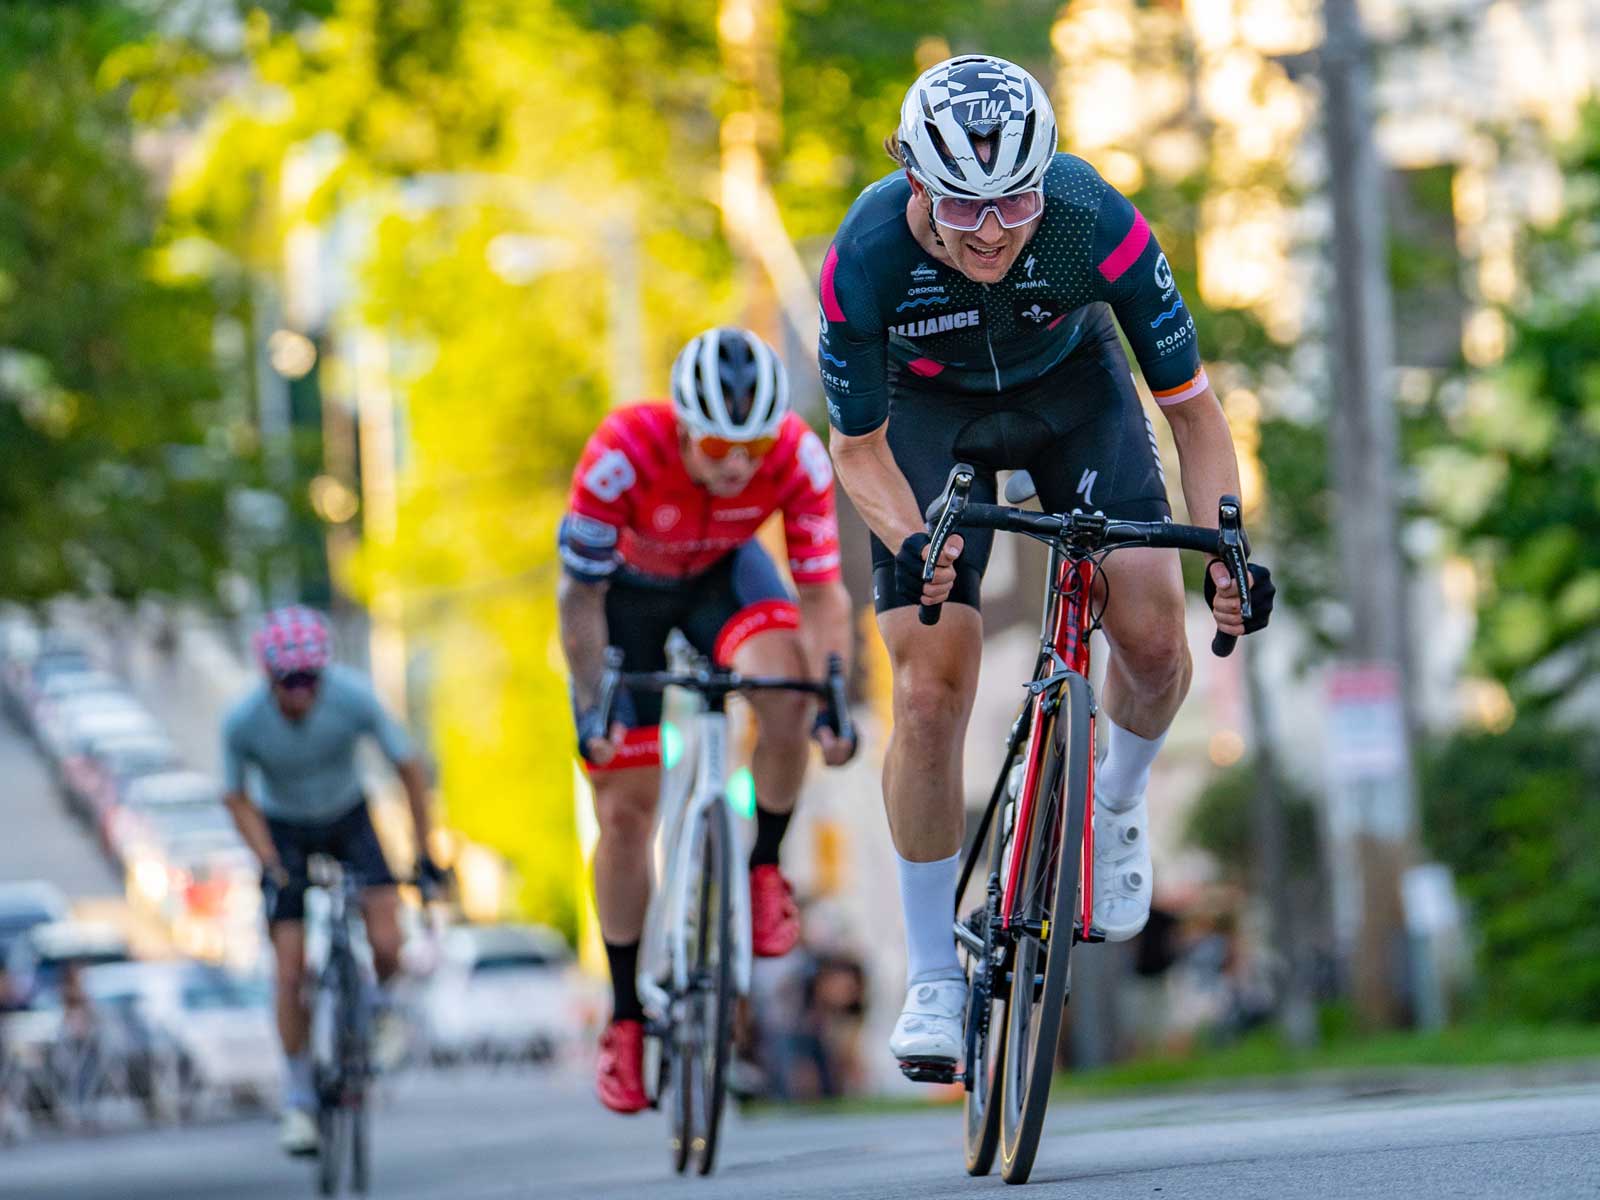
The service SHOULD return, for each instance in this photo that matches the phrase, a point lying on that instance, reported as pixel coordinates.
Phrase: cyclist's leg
(287, 932)
(1109, 462)
(354, 842)
(745, 617)
(638, 618)
(935, 675)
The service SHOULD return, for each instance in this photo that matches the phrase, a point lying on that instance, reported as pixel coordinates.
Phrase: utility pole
(1373, 794)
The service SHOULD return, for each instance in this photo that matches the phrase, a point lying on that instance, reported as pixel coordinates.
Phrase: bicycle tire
(979, 1104)
(1049, 891)
(717, 1003)
(360, 1147)
(330, 1149)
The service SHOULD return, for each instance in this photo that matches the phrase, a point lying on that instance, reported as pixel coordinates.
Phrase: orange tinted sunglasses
(716, 447)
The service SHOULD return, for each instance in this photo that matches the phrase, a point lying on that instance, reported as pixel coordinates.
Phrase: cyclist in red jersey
(659, 535)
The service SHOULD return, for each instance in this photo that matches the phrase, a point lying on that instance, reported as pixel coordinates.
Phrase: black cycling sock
(770, 828)
(624, 961)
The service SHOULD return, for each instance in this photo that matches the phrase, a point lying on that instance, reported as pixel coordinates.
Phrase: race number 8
(611, 475)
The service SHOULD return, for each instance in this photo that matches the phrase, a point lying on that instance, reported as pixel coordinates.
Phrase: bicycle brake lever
(1234, 556)
(949, 505)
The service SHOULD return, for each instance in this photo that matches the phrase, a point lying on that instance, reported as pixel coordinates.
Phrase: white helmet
(728, 383)
(971, 99)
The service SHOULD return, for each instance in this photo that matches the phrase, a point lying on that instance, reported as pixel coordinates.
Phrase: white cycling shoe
(1122, 871)
(297, 1133)
(932, 1023)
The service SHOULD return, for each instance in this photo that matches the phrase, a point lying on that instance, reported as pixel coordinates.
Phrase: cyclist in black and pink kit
(660, 535)
(970, 308)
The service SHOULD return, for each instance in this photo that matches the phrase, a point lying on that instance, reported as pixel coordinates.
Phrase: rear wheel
(1047, 901)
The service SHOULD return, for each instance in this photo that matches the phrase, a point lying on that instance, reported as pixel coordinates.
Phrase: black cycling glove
(825, 721)
(908, 568)
(431, 877)
(1262, 592)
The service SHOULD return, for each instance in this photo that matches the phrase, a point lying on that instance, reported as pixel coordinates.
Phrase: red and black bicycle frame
(1063, 646)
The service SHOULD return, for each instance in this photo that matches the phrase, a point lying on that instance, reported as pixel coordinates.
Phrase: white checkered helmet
(730, 384)
(966, 100)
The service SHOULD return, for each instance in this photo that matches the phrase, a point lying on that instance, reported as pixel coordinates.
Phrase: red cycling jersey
(633, 504)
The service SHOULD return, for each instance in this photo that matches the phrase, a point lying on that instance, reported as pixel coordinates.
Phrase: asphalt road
(41, 841)
(523, 1134)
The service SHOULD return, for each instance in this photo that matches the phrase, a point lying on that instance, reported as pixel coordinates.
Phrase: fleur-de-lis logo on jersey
(1037, 315)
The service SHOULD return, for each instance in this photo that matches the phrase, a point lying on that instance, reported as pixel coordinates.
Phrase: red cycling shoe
(774, 916)
(619, 1073)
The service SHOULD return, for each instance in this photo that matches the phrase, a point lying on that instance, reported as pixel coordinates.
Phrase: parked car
(31, 664)
(129, 821)
(65, 727)
(94, 779)
(501, 992)
(225, 1026)
(25, 905)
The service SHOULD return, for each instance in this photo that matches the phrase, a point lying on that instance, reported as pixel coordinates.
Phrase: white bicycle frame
(664, 948)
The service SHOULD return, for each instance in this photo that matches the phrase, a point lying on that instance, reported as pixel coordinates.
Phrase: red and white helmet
(293, 639)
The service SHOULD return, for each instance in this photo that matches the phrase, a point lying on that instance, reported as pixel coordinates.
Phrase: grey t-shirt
(305, 770)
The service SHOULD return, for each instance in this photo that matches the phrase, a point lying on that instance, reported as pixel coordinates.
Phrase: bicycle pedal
(930, 1070)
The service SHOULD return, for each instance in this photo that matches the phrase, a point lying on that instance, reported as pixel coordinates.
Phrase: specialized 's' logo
(1037, 315)
(822, 321)
(1163, 275)
(1028, 265)
(943, 323)
(1086, 485)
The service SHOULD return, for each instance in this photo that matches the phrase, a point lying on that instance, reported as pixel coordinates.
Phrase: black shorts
(717, 611)
(1080, 431)
(351, 839)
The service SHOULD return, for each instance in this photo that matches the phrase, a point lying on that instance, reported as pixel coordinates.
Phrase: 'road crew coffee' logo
(942, 323)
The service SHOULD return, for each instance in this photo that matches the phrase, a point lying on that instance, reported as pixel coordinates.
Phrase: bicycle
(695, 956)
(1038, 890)
(341, 1036)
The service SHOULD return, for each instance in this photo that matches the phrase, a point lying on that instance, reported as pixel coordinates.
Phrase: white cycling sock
(297, 1089)
(1125, 774)
(928, 897)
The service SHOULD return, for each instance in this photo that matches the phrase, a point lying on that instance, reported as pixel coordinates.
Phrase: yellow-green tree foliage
(495, 155)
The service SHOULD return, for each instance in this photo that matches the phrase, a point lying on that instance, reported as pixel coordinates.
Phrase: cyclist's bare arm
(413, 774)
(878, 488)
(252, 828)
(1210, 471)
(581, 609)
(825, 623)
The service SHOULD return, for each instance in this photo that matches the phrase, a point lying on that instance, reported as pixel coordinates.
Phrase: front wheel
(986, 1006)
(711, 994)
(1046, 903)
